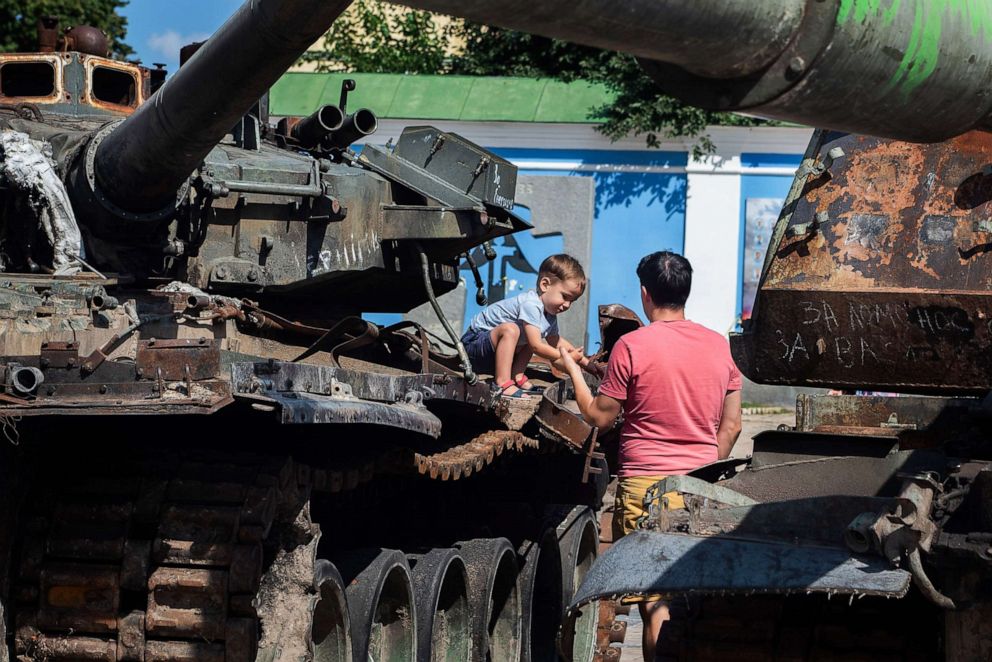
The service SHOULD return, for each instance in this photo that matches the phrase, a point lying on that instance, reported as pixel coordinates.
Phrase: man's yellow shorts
(629, 507)
(629, 504)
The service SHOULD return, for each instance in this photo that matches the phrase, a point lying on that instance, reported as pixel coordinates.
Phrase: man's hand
(569, 360)
(601, 410)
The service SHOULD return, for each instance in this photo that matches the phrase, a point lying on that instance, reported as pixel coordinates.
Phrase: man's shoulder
(664, 332)
(705, 332)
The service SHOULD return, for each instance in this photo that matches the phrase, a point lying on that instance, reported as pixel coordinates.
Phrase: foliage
(639, 107)
(372, 37)
(375, 37)
(19, 21)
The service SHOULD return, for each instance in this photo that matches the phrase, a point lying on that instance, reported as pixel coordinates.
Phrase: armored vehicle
(295, 495)
(209, 455)
(875, 285)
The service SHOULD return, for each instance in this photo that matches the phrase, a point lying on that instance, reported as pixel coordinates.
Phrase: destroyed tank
(876, 285)
(209, 455)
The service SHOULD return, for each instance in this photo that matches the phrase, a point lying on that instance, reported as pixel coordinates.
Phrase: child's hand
(575, 353)
(568, 360)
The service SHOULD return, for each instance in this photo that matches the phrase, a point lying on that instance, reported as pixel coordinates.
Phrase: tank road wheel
(540, 595)
(494, 595)
(380, 601)
(578, 542)
(331, 623)
(444, 622)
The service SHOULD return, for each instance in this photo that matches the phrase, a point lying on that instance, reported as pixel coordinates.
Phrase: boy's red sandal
(533, 390)
(519, 393)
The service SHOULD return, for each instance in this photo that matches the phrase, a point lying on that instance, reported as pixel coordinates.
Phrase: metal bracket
(654, 496)
(59, 355)
(592, 454)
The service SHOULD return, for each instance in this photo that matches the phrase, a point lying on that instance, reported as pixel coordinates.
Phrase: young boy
(503, 337)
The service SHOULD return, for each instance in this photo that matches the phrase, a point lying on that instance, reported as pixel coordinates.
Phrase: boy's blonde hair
(563, 267)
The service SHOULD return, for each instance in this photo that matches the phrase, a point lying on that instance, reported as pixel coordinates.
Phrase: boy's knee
(508, 330)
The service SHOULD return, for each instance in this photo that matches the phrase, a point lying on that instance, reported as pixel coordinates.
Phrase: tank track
(463, 460)
(453, 463)
(611, 631)
(154, 561)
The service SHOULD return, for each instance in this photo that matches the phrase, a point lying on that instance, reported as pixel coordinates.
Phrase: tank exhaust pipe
(824, 63)
(312, 130)
(357, 125)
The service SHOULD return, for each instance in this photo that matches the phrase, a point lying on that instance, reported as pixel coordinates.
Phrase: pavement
(752, 425)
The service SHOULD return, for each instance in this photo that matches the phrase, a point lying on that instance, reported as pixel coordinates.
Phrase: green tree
(638, 107)
(373, 37)
(19, 21)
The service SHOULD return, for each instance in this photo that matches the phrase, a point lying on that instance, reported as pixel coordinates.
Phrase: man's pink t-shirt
(672, 378)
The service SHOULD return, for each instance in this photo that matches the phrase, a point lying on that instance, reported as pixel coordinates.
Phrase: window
(27, 79)
(113, 86)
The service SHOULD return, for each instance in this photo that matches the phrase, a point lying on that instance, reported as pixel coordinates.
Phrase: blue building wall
(635, 213)
(639, 208)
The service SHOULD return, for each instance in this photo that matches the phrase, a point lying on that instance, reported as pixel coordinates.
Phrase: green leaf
(19, 21)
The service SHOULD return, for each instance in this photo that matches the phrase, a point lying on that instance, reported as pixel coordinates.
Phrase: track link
(161, 559)
(464, 460)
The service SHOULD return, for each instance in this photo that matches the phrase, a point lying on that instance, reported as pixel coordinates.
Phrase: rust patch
(178, 360)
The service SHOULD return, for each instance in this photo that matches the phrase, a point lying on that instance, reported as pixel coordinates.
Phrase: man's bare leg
(653, 615)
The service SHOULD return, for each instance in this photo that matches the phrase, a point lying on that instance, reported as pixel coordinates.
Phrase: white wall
(712, 230)
(713, 216)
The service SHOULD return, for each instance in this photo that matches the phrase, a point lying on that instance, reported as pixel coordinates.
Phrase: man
(680, 391)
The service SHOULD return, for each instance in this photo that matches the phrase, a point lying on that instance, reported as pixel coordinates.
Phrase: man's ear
(645, 297)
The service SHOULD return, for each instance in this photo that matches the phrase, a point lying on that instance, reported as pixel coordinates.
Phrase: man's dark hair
(667, 277)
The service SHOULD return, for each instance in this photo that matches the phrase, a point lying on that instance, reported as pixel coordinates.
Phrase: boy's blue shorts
(479, 345)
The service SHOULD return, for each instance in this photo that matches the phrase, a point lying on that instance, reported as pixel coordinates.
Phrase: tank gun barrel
(141, 164)
(917, 71)
(313, 129)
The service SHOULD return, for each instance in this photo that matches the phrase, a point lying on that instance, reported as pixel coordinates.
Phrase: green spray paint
(929, 20)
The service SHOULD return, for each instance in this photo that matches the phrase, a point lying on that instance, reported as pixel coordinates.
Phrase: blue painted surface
(757, 160)
(758, 186)
(636, 213)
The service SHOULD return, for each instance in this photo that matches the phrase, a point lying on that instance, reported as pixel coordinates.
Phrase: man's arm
(601, 410)
(557, 342)
(730, 424)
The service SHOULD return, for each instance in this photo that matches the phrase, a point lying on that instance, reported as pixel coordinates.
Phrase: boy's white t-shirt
(525, 308)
